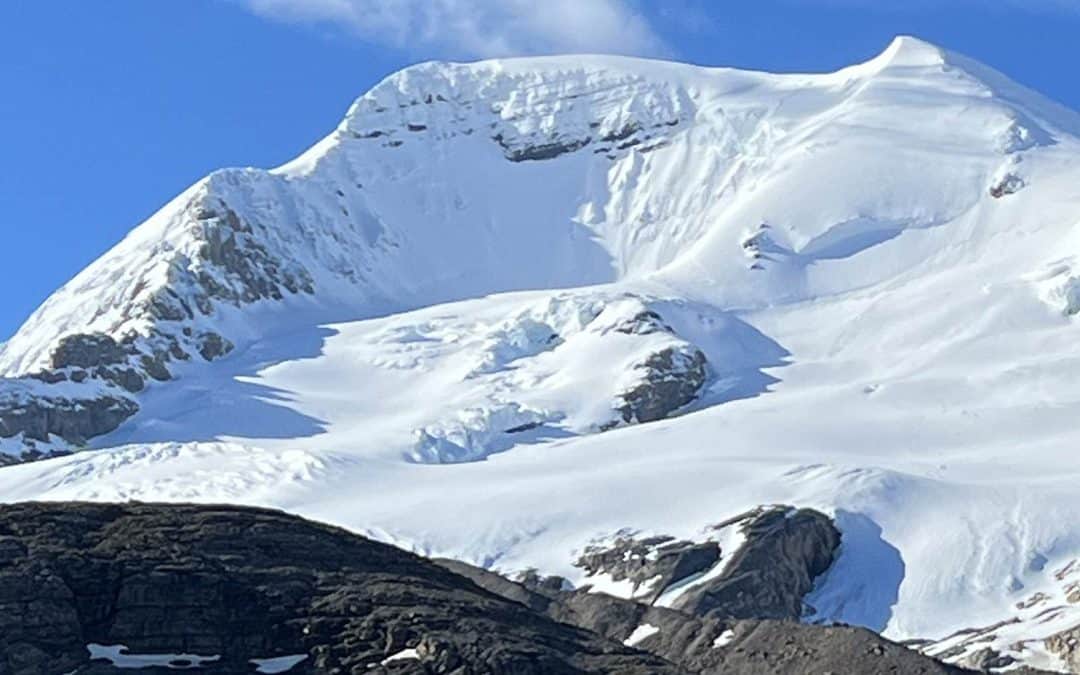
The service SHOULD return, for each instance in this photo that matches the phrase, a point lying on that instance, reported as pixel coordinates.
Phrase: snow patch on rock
(120, 657)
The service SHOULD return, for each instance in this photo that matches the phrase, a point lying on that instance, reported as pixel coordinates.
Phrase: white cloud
(481, 28)
(1033, 6)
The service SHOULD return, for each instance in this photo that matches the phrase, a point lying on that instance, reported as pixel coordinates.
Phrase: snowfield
(540, 301)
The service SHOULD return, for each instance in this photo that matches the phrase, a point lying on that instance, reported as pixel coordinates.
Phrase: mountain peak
(562, 251)
(906, 50)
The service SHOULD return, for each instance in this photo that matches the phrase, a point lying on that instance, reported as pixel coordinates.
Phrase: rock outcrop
(770, 574)
(99, 374)
(713, 641)
(228, 585)
(1066, 646)
(1009, 184)
(38, 417)
(83, 356)
(670, 379)
(89, 588)
(767, 575)
(651, 564)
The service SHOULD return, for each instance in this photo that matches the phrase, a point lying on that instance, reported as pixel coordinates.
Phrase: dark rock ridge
(708, 645)
(768, 576)
(243, 584)
(93, 356)
(225, 585)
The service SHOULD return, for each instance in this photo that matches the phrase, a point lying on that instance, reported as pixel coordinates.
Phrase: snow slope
(439, 309)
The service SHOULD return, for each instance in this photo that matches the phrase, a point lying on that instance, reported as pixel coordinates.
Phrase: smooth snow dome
(878, 265)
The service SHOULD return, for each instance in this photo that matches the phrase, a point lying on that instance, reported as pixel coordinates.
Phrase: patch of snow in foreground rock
(724, 639)
(401, 656)
(277, 664)
(640, 633)
(120, 658)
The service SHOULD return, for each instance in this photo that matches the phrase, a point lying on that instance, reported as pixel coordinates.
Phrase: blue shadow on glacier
(230, 398)
(737, 352)
(863, 585)
(226, 399)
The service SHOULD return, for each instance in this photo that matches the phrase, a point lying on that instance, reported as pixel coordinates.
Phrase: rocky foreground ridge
(97, 588)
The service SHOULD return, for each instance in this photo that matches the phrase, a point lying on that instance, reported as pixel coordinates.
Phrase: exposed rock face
(713, 642)
(670, 379)
(986, 660)
(93, 356)
(653, 563)
(245, 584)
(541, 151)
(1066, 646)
(93, 360)
(241, 270)
(223, 262)
(716, 646)
(1009, 184)
(522, 135)
(767, 576)
(73, 420)
(225, 585)
(664, 380)
(87, 351)
(47, 418)
(770, 574)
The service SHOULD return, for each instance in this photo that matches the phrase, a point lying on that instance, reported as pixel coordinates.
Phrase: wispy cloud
(1033, 6)
(480, 28)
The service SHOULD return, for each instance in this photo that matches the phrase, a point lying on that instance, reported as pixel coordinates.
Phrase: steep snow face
(509, 307)
(449, 181)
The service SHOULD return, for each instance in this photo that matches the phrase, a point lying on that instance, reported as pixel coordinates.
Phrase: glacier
(512, 306)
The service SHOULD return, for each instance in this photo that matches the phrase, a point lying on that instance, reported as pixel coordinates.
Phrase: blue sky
(110, 108)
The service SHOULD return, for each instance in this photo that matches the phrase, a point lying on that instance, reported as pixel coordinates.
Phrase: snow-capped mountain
(649, 295)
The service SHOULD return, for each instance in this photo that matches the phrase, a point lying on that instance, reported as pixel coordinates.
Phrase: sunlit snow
(887, 340)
